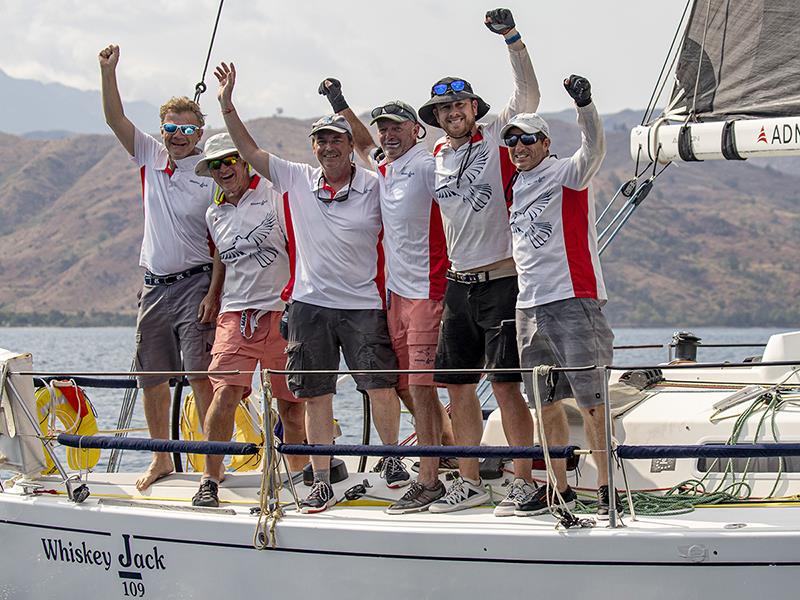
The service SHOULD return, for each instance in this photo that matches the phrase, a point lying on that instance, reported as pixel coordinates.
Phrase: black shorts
(478, 331)
(316, 334)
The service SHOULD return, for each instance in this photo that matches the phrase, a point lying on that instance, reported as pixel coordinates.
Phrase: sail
(748, 54)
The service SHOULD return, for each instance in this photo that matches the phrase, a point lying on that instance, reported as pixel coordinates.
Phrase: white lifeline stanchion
(612, 490)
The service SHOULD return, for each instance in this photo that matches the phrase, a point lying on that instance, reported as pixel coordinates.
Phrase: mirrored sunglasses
(217, 163)
(440, 89)
(185, 129)
(527, 139)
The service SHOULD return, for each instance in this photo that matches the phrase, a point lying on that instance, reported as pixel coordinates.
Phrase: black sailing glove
(499, 20)
(580, 89)
(333, 93)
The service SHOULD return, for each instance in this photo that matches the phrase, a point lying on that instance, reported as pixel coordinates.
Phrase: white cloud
(380, 50)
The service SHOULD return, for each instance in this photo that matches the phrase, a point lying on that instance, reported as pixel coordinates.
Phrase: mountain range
(714, 243)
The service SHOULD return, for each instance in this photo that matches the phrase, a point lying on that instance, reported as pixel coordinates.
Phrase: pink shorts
(233, 352)
(414, 329)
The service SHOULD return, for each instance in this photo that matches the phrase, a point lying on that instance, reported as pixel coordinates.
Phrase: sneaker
(446, 465)
(603, 502)
(319, 498)
(462, 494)
(519, 492)
(394, 472)
(536, 504)
(417, 499)
(207, 495)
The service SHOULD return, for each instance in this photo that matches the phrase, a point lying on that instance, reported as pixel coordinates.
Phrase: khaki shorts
(168, 335)
(316, 336)
(233, 352)
(414, 329)
(566, 333)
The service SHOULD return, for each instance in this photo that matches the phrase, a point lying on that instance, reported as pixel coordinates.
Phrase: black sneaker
(207, 495)
(603, 503)
(537, 503)
(417, 499)
(394, 472)
(319, 498)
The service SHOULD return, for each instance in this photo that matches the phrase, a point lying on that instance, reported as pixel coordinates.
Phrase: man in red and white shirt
(180, 296)
(416, 257)
(561, 290)
(248, 227)
(477, 331)
(336, 289)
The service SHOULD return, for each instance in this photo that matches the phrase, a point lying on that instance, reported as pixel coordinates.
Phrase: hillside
(713, 244)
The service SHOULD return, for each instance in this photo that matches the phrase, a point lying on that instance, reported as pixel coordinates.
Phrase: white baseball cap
(528, 123)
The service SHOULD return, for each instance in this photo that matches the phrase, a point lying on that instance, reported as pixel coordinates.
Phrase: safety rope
(270, 510)
(201, 85)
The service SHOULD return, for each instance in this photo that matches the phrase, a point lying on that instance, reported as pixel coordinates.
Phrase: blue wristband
(513, 38)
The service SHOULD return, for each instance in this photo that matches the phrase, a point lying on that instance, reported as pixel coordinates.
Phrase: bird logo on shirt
(477, 196)
(523, 222)
(250, 245)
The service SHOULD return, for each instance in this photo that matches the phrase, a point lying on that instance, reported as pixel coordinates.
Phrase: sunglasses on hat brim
(455, 86)
(392, 108)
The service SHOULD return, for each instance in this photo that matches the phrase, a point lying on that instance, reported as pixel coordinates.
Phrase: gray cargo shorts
(572, 332)
(167, 329)
(316, 334)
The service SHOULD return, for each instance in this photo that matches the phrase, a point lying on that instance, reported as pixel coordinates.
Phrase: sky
(379, 50)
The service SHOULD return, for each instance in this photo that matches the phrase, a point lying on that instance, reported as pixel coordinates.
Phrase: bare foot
(161, 466)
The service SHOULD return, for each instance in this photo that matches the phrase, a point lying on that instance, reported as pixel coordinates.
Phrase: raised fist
(579, 89)
(109, 57)
(499, 20)
(332, 89)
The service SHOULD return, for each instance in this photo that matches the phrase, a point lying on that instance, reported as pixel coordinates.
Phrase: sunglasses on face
(392, 109)
(185, 129)
(217, 163)
(527, 139)
(440, 89)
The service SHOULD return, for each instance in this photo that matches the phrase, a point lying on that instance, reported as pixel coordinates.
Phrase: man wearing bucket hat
(477, 329)
(561, 291)
(180, 295)
(248, 227)
(416, 259)
(336, 288)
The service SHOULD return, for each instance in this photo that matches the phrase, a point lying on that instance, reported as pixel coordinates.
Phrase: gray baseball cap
(335, 123)
(528, 123)
(395, 110)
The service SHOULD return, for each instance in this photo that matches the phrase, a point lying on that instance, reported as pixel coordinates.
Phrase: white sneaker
(461, 495)
(520, 491)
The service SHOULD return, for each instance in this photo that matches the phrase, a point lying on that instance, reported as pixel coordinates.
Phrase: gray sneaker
(417, 499)
(461, 495)
(519, 492)
(320, 498)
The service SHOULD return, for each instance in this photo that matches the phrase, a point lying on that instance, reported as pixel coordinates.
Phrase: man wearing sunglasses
(478, 320)
(180, 296)
(336, 288)
(247, 224)
(561, 290)
(416, 258)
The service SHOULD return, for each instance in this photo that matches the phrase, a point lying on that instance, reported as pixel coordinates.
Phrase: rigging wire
(201, 85)
(700, 60)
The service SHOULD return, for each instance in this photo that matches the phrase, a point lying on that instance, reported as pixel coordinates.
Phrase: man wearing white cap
(248, 226)
(561, 290)
(336, 288)
(416, 258)
(472, 171)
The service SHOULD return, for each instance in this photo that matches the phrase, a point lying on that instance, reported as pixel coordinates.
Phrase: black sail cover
(750, 63)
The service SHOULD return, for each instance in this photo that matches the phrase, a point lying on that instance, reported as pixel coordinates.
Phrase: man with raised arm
(333, 222)
(247, 224)
(477, 330)
(180, 297)
(561, 290)
(416, 258)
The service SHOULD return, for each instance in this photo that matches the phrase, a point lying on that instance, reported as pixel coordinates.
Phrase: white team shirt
(335, 245)
(251, 240)
(175, 204)
(474, 209)
(552, 222)
(416, 252)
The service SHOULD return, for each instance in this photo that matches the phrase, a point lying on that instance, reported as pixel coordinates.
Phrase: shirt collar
(401, 161)
(219, 195)
(359, 183)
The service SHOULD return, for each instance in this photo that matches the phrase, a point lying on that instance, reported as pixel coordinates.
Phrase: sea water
(74, 350)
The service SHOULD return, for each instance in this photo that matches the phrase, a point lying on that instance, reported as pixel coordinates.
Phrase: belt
(151, 279)
(480, 276)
